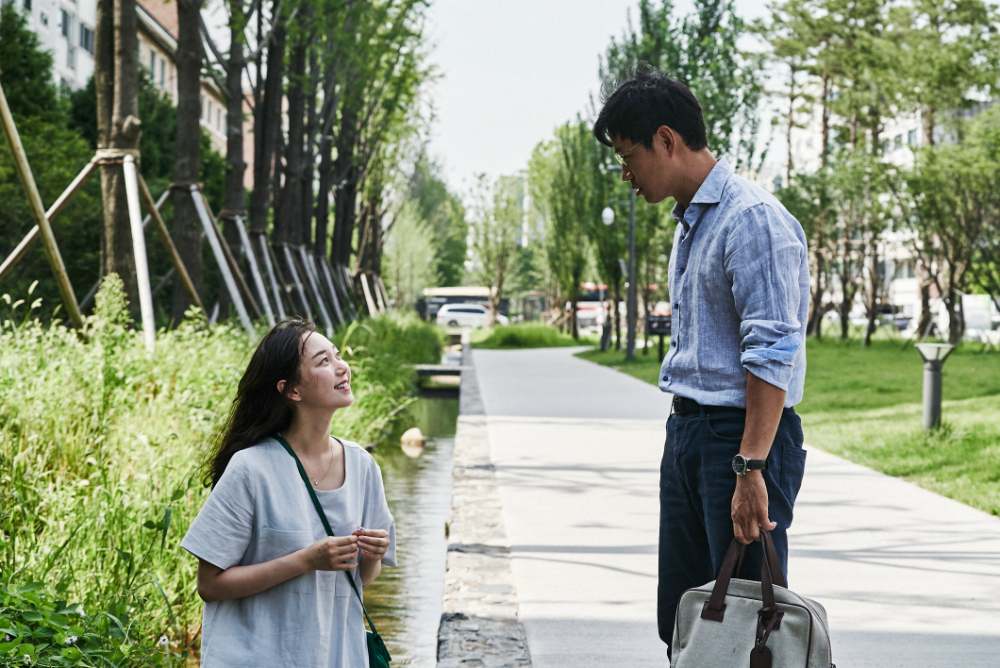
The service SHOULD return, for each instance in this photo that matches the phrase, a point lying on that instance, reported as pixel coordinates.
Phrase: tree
(116, 76)
(187, 228)
(56, 154)
(497, 216)
(700, 50)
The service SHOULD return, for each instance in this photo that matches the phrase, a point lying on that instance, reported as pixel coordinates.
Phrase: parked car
(467, 315)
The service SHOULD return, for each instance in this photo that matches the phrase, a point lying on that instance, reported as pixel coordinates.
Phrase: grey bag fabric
(733, 622)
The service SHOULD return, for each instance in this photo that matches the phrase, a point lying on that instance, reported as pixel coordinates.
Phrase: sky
(511, 71)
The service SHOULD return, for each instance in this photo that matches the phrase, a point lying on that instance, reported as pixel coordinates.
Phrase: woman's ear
(292, 394)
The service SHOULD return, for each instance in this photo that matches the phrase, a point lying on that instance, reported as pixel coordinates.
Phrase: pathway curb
(479, 624)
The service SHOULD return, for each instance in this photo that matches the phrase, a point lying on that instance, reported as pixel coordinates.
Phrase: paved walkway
(909, 578)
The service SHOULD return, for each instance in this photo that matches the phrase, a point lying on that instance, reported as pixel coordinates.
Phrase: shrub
(528, 335)
(100, 451)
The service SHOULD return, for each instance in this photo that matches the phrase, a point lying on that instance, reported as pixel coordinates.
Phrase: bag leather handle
(715, 608)
(326, 523)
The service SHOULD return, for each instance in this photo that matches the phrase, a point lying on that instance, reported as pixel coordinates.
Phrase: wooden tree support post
(175, 257)
(378, 294)
(139, 252)
(372, 309)
(332, 289)
(38, 213)
(265, 251)
(310, 270)
(254, 269)
(32, 236)
(385, 293)
(213, 240)
(348, 285)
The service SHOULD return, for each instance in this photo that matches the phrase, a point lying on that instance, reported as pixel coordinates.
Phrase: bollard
(934, 355)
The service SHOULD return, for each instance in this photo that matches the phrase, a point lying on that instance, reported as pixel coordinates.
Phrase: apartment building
(65, 29)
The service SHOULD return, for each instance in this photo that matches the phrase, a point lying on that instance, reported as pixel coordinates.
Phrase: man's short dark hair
(645, 101)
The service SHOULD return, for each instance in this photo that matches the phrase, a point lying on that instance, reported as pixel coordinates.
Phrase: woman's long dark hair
(259, 410)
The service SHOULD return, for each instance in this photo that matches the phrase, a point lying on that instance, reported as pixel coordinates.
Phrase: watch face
(739, 465)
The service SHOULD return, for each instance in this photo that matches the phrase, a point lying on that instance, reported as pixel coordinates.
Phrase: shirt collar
(710, 192)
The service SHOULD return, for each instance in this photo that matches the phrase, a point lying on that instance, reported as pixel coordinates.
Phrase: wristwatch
(741, 465)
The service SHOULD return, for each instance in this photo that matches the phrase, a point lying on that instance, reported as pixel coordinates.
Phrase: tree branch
(224, 62)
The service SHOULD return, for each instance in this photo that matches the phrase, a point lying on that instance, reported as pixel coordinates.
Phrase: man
(739, 287)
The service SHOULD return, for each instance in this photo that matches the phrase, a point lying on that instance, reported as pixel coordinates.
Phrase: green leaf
(32, 616)
(71, 653)
(178, 493)
(149, 524)
(166, 526)
(7, 646)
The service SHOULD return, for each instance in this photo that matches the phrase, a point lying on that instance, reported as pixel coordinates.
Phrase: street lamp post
(934, 355)
(608, 217)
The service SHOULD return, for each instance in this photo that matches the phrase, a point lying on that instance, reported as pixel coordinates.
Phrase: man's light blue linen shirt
(739, 294)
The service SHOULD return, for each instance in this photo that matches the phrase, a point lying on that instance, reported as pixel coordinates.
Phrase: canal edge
(479, 624)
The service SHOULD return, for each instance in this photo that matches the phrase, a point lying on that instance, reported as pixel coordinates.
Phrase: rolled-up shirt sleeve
(763, 259)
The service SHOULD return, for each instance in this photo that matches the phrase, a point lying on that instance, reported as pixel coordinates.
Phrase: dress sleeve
(763, 258)
(376, 513)
(223, 528)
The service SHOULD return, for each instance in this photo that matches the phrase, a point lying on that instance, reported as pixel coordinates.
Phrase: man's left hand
(750, 508)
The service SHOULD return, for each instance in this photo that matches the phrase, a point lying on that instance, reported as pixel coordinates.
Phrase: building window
(44, 18)
(27, 5)
(87, 39)
(152, 64)
(218, 120)
(885, 146)
(208, 112)
(897, 143)
(66, 20)
(163, 74)
(911, 138)
(71, 57)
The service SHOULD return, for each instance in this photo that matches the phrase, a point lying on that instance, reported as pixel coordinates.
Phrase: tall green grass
(100, 453)
(528, 335)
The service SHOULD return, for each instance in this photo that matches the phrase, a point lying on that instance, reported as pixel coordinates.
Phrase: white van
(467, 315)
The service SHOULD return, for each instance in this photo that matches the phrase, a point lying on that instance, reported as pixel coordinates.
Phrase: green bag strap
(326, 523)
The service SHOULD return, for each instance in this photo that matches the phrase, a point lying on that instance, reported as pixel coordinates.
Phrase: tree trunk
(267, 129)
(874, 291)
(323, 196)
(923, 326)
(187, 152)
(790, 120)
(310, 152)
(617, 316)
(288, 226)
(928, 125)
(117, 83)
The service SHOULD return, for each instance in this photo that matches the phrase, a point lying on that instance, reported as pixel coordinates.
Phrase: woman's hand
(373, 543)
(333, 553)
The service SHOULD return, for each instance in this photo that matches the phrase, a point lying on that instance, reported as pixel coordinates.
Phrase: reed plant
(101, 453)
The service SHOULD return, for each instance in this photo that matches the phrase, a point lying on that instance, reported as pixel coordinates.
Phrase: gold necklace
(316, 482)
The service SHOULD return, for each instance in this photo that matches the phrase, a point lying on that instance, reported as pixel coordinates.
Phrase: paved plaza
(909, 578)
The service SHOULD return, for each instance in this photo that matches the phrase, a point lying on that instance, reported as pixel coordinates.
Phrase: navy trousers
(696, 493)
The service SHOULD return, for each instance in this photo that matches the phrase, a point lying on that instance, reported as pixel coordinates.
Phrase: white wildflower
(71, 640)
(80, 611)
(164, 641)
(27, 659)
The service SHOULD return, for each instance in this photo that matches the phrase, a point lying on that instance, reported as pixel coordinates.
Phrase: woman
(274, 584)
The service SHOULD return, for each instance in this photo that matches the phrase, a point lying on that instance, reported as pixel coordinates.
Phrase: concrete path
(909, 578)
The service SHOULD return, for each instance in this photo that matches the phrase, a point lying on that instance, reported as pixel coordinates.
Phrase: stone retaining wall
(479, 624)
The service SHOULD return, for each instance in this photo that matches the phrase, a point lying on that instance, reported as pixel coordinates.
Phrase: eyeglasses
(621, 157)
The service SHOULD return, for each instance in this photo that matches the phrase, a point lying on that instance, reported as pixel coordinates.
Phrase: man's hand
(750, 508)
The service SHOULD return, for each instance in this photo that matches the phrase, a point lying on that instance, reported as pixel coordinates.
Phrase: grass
(526, 335)
(864, 404)
(100, 453)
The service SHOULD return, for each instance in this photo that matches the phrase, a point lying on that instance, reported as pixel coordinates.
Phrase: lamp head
(934, 352)
(608, 215)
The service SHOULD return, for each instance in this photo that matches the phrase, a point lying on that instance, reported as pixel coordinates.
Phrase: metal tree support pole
(266, 252)
(139, 251)
(32, 236)
(234, 267)
(314, 284)
(631, 306)
(296, 281)
(220, 259)
(333, 290)
(38, 213)
(145, 221)
(161, 228)
(255, 270)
